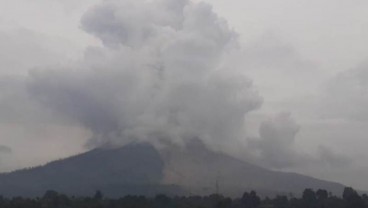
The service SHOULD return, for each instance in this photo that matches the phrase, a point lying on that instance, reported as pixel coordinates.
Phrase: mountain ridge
(141, 169)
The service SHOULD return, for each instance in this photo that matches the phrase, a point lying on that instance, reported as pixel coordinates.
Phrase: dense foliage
(309, 199)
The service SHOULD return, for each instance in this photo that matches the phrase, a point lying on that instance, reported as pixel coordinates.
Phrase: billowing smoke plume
(275, 145)
(159, 75)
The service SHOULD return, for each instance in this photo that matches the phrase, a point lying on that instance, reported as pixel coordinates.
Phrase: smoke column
(162, 74)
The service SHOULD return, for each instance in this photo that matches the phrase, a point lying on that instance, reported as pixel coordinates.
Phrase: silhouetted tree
(162, 201)
(365, 199)
(281, 202)
(352, 198)
(98, 195)
(321, 194)
(250, 200)
(309, 198)
(50, 199)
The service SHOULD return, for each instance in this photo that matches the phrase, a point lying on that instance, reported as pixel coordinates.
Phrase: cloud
(164, 72)
(17, 107)
(5, 149)
(276, 147)
(114, 24)
(35, 49)
(346, 95)
(277, 66)
(5, 154)
(332, 159)
(160, 75)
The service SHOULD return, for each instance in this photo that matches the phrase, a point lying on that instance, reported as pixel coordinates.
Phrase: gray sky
(306, 59)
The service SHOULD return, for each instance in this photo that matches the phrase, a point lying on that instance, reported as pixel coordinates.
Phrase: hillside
(200, 169)
(133, 169)
(141, 169)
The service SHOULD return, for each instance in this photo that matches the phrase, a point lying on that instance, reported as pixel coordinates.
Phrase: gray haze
(5, 149)
(261, 80)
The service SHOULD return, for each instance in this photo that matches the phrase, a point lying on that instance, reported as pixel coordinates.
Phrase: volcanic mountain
(141, 169)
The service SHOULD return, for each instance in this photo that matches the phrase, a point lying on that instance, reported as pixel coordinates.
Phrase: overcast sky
(304, 97)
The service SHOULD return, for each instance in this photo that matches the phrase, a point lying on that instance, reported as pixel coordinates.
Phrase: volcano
(141, 169)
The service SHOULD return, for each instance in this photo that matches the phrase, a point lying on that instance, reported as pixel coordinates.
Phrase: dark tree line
(309, 199)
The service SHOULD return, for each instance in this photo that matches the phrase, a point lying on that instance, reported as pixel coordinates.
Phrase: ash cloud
(160, 75)
(163, 73)
(276, 147)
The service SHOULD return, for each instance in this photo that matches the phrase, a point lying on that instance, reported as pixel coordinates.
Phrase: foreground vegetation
(309, 199)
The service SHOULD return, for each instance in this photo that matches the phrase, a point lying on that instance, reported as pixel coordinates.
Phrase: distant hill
(132, 169)
(142, 170)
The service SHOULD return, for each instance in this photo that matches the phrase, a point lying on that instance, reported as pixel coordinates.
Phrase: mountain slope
(133, 169)
(141, 169)
(200, 169)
